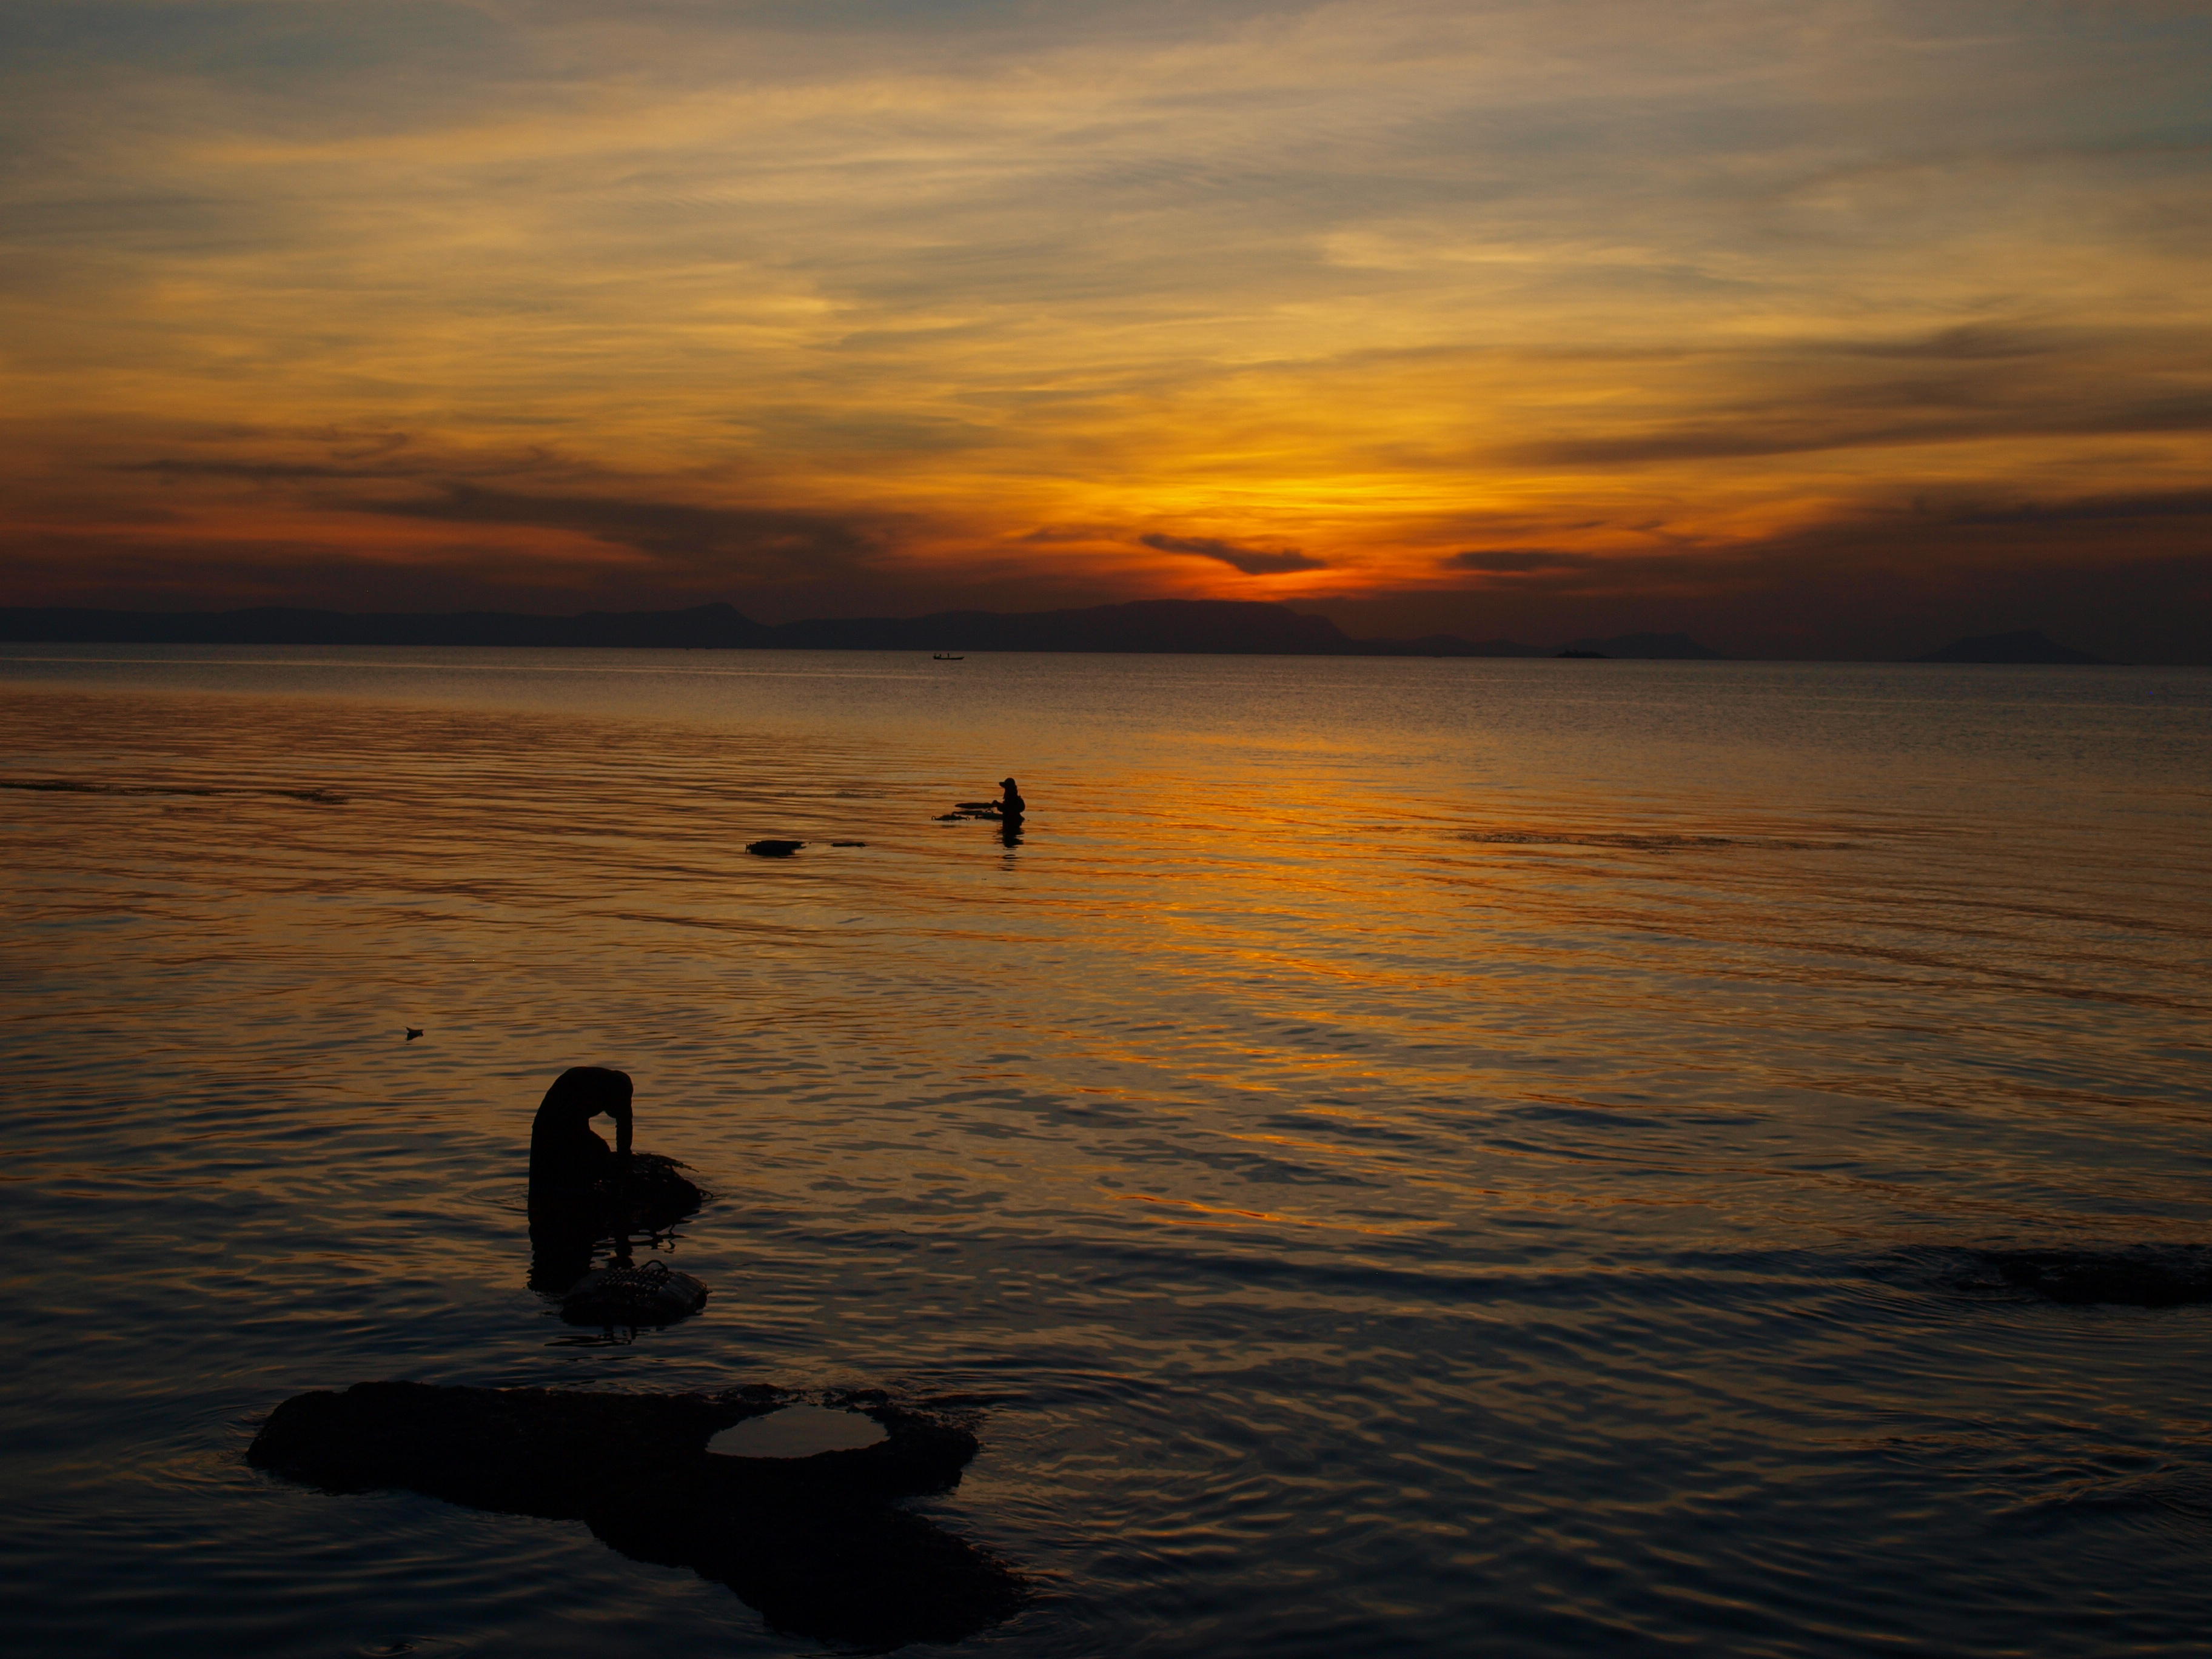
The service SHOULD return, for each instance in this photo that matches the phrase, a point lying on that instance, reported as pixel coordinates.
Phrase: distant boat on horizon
(948, 656)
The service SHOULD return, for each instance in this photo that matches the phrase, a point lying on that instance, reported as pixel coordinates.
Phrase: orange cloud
(1509, 301)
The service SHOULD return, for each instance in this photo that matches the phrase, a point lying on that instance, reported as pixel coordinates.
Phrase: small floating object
(849, 844)
(619, 1294)
(774, 849)
(798, 1431)
(947, 656)
(413, 1031)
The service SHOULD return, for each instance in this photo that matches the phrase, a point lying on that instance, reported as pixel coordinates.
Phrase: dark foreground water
(1422, 1157)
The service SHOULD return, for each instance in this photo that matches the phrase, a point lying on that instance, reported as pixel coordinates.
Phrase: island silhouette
(2026, 645)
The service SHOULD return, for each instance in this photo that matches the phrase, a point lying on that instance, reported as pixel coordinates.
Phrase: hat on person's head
(1004, 783)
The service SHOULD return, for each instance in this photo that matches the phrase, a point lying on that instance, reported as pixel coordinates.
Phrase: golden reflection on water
(1476, 1091)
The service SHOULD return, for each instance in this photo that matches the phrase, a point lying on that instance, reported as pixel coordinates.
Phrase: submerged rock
(2135, 1276)
(814, 1543)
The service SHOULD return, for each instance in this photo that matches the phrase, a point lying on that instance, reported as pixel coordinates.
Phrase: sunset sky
(1814, 327)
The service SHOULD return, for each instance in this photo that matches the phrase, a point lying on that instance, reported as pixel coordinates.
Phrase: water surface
(1421, 1156)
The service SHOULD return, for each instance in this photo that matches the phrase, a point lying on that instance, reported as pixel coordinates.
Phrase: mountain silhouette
(1223, 627)
(1650, 647)
(2027, 644)
(701, 625)
(1232, 627)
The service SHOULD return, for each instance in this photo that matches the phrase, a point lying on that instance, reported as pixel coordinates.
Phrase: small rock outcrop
(815, 1544)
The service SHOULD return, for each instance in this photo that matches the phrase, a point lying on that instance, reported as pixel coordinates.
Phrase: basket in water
(621, 1294)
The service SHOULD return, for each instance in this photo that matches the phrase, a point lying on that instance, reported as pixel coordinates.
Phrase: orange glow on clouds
(1525, 315)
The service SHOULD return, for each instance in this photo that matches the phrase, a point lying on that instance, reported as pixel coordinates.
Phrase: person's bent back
(563, 1150)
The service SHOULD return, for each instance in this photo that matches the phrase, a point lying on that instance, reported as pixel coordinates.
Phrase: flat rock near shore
(815, 1544)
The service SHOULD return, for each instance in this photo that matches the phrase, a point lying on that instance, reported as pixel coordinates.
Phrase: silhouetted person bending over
(565, 1156)
(576, 1182)
(582, 1194)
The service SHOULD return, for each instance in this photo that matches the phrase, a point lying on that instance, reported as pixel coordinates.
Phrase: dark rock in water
(813, 1543)
(2138, 1276)
(653, 1293)
(773, 849)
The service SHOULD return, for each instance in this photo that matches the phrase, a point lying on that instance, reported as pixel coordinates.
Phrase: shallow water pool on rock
(798, 1431)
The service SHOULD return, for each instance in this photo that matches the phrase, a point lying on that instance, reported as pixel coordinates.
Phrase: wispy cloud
(746, 543)
(1251, 560)
(1511, 560)
(869, 291)
(2094, 509)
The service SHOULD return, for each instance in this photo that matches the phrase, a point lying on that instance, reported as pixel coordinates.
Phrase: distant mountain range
(1226, 627)
(1229, 627)
(1648, 647)
(2026, 646)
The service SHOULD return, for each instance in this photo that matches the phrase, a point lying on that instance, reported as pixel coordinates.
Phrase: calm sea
(1422, 1157)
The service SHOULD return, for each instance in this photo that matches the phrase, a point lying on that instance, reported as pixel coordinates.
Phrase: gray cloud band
(1251, 560)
